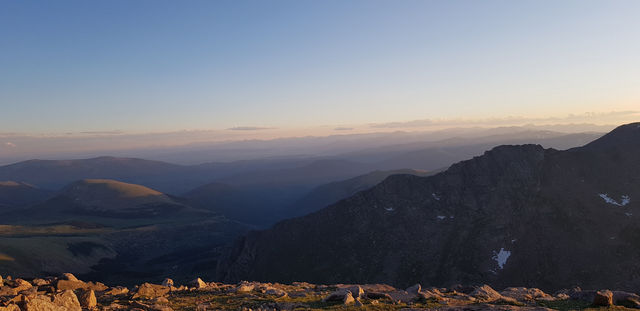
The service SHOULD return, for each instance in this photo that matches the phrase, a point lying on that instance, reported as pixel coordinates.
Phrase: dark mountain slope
(515, 215)
(16, 195)
(330, 193)
(259, 197)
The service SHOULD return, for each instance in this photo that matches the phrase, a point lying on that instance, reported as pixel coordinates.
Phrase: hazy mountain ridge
(516, 215)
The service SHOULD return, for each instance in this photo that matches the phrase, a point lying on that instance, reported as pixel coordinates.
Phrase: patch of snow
(624, 200)
(612, 238)
(628, 214)
(451, 217)
(435, 196)
(501, 257)
(514, 240)
(441, 217)
(389, 209)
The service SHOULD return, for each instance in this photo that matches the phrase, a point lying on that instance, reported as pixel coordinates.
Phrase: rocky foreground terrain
(68, 293)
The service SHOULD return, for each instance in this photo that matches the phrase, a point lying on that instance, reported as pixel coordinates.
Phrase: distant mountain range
(514, 215)
(120, 219)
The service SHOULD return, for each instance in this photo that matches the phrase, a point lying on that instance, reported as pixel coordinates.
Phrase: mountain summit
(515, 215)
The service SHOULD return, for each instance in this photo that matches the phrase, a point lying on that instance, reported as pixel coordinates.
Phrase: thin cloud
(343, 129)
(102, 132)
(10, 144)
(599, 117)
(250, 128)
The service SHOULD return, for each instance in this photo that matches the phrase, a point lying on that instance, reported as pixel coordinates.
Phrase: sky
(253, 66)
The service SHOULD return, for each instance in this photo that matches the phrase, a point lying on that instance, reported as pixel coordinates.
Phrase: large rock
(603, 298)
(65, 301)
(20, 285)
(245, 287)
(69, 277)
(415, 289)
(524, 294)
(88, 299)
(149, 291)
(355, 290)
(70, 284)
(115, 291)
(626, 299)
(198, 283)
(486, 294)
(348, 299)
(7, 291)
(10, 307)
(168, 282)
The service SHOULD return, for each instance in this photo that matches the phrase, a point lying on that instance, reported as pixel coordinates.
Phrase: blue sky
(148, 66)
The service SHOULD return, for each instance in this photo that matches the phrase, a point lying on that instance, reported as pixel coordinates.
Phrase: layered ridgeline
(516, 215)
(113, 232)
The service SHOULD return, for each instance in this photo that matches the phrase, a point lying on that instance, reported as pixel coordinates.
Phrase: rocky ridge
(66, 292)
(520, 214)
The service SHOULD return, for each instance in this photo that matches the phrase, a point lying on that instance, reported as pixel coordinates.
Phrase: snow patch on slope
(624, 200)
(501, 257)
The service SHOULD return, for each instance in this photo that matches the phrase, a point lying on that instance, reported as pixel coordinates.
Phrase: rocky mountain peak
(623, 136)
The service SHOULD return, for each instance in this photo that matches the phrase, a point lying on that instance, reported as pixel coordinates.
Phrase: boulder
(524, 294)
(63, 284)
(20, 285)
(626, 299)
(7, 291)
(115, 291)
(415, 289)
(168, 282)
(485, 293)
(603, 298)
(88, 299)
(150, 291)
(356, 291)
(403, 296)
(244, 287)
(69, 277)
(198, 283)
(348, 299)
